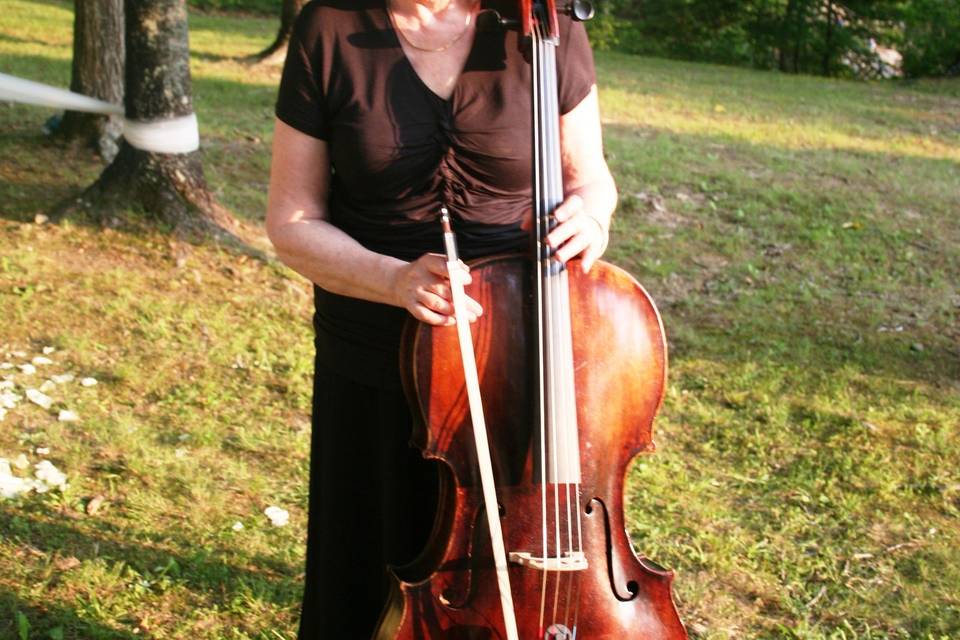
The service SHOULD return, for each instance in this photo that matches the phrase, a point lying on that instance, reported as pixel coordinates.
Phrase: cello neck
(559, 437)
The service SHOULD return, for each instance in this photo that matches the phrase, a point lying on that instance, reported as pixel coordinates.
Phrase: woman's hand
(578, 233)
(423, 288)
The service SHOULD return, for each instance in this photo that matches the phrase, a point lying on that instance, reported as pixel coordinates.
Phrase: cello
(571, 368)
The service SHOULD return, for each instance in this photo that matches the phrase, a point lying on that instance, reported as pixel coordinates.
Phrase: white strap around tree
(171, 135)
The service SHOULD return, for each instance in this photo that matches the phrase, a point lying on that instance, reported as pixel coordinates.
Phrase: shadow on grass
(43, 618)
(203, 572)
(6, 37)
(38, 175)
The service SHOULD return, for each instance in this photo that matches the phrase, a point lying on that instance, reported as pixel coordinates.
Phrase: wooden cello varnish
(572, 370)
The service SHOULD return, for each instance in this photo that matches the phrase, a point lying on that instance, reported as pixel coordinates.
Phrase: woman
(387, 111)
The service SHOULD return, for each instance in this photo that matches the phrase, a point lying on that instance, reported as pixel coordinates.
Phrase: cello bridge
(568, 561)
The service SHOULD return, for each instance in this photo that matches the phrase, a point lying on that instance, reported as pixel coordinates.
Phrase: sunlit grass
(799, 234)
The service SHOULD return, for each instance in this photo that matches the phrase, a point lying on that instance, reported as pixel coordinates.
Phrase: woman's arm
(305, 241)
(589, 190)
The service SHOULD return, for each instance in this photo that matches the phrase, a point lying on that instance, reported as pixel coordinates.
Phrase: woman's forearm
(336, 262)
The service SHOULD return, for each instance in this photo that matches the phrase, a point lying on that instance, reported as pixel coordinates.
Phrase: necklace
(455, 40)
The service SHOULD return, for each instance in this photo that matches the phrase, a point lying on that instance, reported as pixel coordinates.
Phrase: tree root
(141, 189)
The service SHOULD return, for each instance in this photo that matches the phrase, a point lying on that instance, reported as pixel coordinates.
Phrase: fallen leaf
(65, 564)
(94, 505)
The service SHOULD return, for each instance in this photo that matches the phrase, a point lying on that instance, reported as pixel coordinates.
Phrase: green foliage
(23, 626)
(824, 37)
(799, 234)
(931, 38)
(271, 7)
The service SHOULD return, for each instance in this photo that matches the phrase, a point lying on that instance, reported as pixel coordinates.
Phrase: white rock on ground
(278, 517)
(9, 400)
(39, 398)
(47, 477)
(67, 416)
(41, 361)
(88, 382)
(50, 476)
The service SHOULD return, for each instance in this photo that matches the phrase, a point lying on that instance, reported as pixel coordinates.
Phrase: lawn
(801, 236)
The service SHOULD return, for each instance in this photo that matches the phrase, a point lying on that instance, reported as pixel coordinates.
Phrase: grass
(800, 235)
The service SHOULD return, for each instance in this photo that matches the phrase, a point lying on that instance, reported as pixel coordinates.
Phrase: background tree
(931, 38)
(827, 37)
(97, 71)
(169, 188)
(277, 51)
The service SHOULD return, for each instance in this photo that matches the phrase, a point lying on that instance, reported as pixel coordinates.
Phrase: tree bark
(828, 40)
(787, 28)
(162, 187)
(97, 71)
(277, 52)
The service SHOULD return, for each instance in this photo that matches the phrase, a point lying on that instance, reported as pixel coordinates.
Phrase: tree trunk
(97, 71)
(277, 52)
(787, 29)
(828, 40)
(167, 188)
(799, 34)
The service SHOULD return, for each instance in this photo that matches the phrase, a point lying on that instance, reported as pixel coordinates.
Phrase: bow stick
(458, 273)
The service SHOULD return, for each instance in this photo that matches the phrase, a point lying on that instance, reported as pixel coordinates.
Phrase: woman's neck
(422, 8)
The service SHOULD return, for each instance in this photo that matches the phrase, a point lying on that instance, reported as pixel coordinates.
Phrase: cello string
(560, 402)
(563, 369)
(538, 196)
(549, 293)
(561, 416)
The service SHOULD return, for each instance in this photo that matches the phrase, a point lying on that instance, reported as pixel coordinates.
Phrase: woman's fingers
(434, 302)
(423, 314)
(573, 247)
(569, 208)
(580, 235)
(438, 301)
(426, 291)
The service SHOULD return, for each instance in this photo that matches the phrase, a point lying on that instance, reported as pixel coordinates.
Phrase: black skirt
(372, 496)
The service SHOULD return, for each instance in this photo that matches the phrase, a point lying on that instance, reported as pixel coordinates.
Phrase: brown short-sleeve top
(399, 152)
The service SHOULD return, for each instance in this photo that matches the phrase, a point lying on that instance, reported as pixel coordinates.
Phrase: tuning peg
(490, 19)
(581, 10)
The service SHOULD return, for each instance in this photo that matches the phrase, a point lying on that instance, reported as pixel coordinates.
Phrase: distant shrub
(271, 7)
(931, 44)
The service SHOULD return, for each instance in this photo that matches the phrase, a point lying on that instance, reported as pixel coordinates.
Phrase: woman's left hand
(578, 233)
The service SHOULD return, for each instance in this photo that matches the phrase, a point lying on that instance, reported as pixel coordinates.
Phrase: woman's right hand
(423, 288)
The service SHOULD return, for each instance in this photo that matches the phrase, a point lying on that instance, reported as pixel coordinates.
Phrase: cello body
(619, 360)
